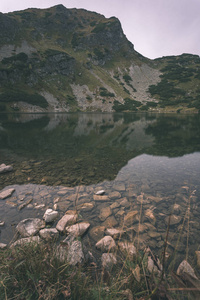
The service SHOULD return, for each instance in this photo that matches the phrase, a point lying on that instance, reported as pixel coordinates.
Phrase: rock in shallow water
(50, 215)
(107, 243)
(65, 221)
(3, 246)
(128, 249)
(49, 234)
(4, 168)
(6, 193)
(185, 267)
(174, 220)
(97, 233)
(114, 232)
(101, 192)
(26, 241)
(78, 229)
(105, 212)
(30, 227)
(108, 260)
(130, 218)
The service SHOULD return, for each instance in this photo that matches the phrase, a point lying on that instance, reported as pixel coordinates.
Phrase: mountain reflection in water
(86, 148)
(144, 162)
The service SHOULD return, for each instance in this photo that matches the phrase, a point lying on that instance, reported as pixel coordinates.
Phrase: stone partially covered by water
(6, 193)
(185, 268)
(78, 229)
(26, 241)
(50, 215)
(108, 260)
(29, 227)
(49, 234)
(5, 169)
(65, 221)
(128, 249)
(106, 244)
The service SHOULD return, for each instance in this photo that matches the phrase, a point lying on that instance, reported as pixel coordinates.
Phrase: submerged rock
(7, 193)
(174, 220)
(30, 227)
(101, 198)
(107, 243)
(105, 212)
(97, 233)
(130, 218)
(150, 216)
(86, 206)
(110, 222)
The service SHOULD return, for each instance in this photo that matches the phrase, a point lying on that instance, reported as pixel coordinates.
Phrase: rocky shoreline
(103, 224)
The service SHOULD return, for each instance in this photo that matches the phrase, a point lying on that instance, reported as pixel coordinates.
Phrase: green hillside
(61, 59)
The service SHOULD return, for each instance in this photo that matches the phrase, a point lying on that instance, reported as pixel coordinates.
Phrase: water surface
(155, 158)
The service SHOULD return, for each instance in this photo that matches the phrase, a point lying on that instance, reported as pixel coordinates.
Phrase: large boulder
(30, 227)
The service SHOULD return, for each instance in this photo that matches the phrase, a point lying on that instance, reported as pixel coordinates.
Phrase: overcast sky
(155, 27)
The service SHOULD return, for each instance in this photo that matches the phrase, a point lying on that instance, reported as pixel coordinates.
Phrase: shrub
(105, 93)
(129, 105)
(16, 96)
(22, 57)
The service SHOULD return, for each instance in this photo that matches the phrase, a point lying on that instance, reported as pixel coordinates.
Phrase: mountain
(61, 59)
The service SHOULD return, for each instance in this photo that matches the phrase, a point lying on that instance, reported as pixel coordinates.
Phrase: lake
(148, 163)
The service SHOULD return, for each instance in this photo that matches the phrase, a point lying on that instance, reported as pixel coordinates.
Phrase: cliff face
(61, 59)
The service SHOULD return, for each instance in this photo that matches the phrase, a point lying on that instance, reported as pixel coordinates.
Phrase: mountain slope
(61, 59)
